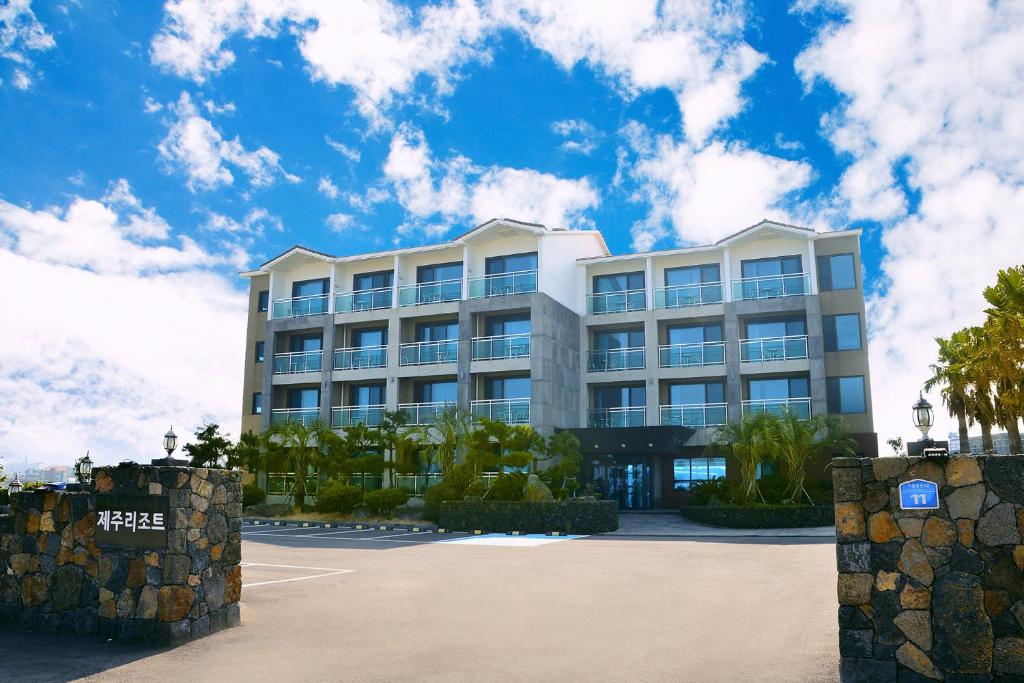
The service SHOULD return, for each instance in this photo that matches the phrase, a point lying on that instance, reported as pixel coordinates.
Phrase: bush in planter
(761, 516)
(384, 501)
(717, 491)
(508, 487)
(338, 497)
(252, 494)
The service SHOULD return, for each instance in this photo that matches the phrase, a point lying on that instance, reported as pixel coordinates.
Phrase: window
(260, 348)
(690, 394)
(370, 336)
(694, 334)
(620, 282)
(766, 469)
(768, 329)
(513, 324)
(766, 267)
(618, 339)
(836, 272)
(263, 301)
(445, 391)
(257, 403)
(842, 332)
(439, 272)
(366, 395)
(512, 263)
(437, 331)
(311, 287)
(692, 275)
(845, 394)
(378, 280)
(606, 398)
(685, 471)
(305, 342)
(307, 399)
(778, 389)
(496, 388)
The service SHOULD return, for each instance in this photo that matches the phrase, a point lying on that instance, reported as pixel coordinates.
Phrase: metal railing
(300, 361)
(776, 406)
(694, 414)
(771, 349)
(347, 416)
(363, 300)
(359, 357)
(617, 302)
(610, 360)
(630, 416)
(424, 413)
(501, 346)
(416, 484)
(430, 292)
(503, 284)
(513, 411)
(429, 352)
(771, 286)
(306, 416)
(680, 296)
(689, 355)
(301, 305)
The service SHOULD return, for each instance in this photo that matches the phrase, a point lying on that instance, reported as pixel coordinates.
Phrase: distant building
(1001, 441)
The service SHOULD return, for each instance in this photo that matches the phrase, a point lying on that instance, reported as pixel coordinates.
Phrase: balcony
(773, 349)
(363, 300)
(691, 355)
(685, 296)
(777, 406)
(611, 360)
(423, 413)
(501, 347)
(429, 352)
(430, 293)
(503, 284)
(771, 286)
(416, 484)
(617, 302)
(359, 358)
(695, 415)
(348, 416)
(306, 416)
(302, 361)
(630, 416)
(513, 411)
(295, 307)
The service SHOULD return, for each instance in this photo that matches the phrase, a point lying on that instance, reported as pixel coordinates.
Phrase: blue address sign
(919, 494)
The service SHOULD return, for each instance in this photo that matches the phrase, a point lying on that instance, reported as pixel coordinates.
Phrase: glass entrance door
(627, 483)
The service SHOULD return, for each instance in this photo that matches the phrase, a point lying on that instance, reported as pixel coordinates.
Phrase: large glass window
(694, 334)
(306, 398)
(692, 275)
(606, 398)
(506, 387)
(778, 388)
(263, 301)
(305, 342)
(364, 281)
(433, 391)
(439, 272)
(703, 392)
(685, 471)
(366, 395)
(836, 272)
(765, 267)
(437, 331)
(497, 326)
(257, 403)
(510, 263)
(842, 332)
(767, 329)
(260, 353)
(620, 282)
(845, 394)
(370, 336)
(311, 287)
(618, 339)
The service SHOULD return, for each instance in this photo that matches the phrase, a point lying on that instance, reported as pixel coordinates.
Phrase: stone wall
(931, 594)
(54, 577)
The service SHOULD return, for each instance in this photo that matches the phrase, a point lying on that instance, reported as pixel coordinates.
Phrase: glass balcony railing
(347, 416)
(632, 416)
(771, 286)
(429, 353)
(502, 346)
(503, 284)
(306, 416)
(694, 415)
(777, 406)
(610, 360)
(430, 293)
(424, 413)
(690, 355)
(358, 358)
(771, 349)
(617, 302)
(302, 361)
(680, 296)
(416, 484)
(513, 411)
(364, 300)
(301, 305)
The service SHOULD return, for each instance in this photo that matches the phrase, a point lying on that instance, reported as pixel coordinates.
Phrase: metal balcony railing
(688, 355)
(610, 360)
(347, 416)
(357, 358)
(771, 286)
(301, 361)
(617, 302)
(430, 293)
(429, 352)
(416, 484)
(424, 413)
(801, 406)
(695, 415)
(772, 349)
(363, 300)
(501, 346)
(630, 416)
(294, 307)
(503, 284)
(680, 296)
(514, 411)
(306, 416)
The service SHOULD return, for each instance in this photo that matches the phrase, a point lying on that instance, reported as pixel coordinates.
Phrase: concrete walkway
(673, 524)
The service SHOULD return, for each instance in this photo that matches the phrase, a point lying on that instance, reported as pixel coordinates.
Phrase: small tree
(796, 441)
(896, 444)
(448, 437)
(748, 442)
(300, 447)
(210, 448)
(564, 449)
(501, 446)
(248, 454)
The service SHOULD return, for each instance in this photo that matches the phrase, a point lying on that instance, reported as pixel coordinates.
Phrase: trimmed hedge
(567, 516)
(761, 516)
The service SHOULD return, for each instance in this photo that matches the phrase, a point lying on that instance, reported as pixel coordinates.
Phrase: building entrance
(627, 483)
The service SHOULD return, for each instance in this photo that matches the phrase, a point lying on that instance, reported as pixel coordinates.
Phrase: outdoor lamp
(170, 441)
(923, 416)
(85, 470)
(14, 486)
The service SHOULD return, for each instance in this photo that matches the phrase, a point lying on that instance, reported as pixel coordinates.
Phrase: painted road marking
(330, 572)
(527, 541)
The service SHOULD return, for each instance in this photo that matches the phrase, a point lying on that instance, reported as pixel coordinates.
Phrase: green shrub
(761, 516)
(773, 488)
(252, 494)
(336, 496)
(715, 491)
(384, 501)
(33, 485)
(569, 516)
(508, 487)
(820, 491)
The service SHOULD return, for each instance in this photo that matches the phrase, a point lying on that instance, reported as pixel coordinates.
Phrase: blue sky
(161, 149)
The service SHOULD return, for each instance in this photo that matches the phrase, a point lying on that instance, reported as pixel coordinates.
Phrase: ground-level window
(685, 471)
(767, 469)
(282, 483)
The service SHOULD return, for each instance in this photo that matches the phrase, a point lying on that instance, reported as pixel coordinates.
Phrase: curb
(342, 525)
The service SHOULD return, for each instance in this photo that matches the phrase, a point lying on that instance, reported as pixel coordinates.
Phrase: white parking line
(410, 533)
(280, 529)
(330, 572)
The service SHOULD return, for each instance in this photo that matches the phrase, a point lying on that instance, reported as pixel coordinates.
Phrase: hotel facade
(641, 355)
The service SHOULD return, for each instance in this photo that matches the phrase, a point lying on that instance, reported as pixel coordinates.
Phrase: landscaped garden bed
(761, 516)
(528, 517)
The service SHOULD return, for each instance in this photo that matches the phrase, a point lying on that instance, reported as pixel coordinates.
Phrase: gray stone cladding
(53, 577)
(930, 594)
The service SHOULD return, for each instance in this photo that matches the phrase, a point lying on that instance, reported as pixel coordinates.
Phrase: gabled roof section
(766, 224)
(535, 228)
(297, 250)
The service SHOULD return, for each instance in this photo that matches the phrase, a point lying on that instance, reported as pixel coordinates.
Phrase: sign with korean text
(131, 521)
(919, 494)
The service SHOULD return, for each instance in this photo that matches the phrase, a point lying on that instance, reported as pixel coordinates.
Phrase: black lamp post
(170, 441)
(924, 419)
(85, 470)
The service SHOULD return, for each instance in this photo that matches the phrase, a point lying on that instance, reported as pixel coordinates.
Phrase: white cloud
(580, 136)
(339, 222)
(21, 80)
(151, 106)
(253, 225)
(101, 349)
(933, 91)
(327, 187)
(20, 34)
(215, 109)
(349, 153)
(196, 148)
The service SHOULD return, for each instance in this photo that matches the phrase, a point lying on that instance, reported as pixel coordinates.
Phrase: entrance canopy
(632, 440)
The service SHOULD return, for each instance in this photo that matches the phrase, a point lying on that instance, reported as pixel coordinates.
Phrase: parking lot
(398, 604)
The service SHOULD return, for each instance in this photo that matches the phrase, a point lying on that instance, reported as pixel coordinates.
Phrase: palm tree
(1004, 357)
(448, 436)
(798, 440)
(950, 374)
(749, 443)
(980, 403)
(300, 447)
